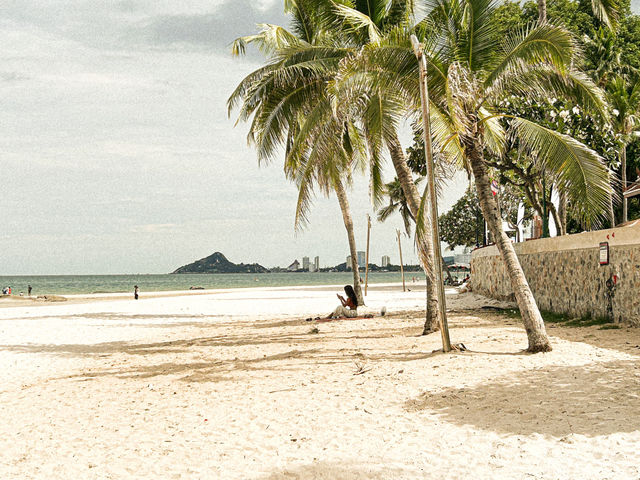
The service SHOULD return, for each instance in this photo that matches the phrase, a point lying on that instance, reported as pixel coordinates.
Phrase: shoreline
(7, 301)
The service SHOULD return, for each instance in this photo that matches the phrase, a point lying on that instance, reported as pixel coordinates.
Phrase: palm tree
(468, 78)
(607, 11)
(532, 62)
(282, 95)
(397, 203)
(302, 68)
(624, 98)
(367, 24)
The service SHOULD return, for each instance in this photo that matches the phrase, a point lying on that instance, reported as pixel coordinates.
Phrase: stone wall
(565, 275)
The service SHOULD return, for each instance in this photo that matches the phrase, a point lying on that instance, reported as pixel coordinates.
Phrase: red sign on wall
(604, 253)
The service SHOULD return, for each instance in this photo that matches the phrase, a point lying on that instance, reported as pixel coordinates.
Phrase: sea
(91, 284)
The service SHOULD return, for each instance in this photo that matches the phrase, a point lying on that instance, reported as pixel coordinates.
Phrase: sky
(117, 154)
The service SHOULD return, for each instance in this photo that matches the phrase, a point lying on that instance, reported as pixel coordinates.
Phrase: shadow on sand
(594, 399)
(330, 471)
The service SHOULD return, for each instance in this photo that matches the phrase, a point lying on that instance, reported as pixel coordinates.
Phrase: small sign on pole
(604, 253)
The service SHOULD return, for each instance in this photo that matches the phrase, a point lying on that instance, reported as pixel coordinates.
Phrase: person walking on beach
(29, 290)
(135, 291)
(349, 307)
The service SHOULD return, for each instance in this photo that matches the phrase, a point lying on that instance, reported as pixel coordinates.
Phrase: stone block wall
(565, 275)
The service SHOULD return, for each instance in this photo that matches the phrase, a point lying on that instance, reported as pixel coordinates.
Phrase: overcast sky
(117, 155)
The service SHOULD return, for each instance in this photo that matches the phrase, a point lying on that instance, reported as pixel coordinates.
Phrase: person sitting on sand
(349, 307)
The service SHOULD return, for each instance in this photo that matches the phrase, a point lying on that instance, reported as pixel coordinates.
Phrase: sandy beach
(236, 384)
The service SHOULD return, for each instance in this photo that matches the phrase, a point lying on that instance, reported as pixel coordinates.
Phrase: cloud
(215, 30)
(142, 24)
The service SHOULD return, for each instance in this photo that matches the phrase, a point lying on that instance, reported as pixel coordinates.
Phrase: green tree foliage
(463, 224)
(609, 54)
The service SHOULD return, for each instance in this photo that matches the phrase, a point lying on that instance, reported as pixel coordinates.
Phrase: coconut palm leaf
(532, 45)
(543, 81)
(397, 203)
(303, 22)
(356, 20)
(476, 39)
(607, 11)
(624, 97)
(268, 40)
(576, 168)
(494, 134)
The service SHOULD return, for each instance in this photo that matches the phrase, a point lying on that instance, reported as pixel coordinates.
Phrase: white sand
(233, 385)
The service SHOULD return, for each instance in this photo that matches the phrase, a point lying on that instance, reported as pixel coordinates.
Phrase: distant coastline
(218, 263)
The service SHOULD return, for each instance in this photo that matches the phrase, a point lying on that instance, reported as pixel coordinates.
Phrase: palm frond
(268, 40)
(534, 44)
(358, 21)
(544, 81)
(607, 11)
(387, 211)
(475, 42)
(494, 134)
(577, 169)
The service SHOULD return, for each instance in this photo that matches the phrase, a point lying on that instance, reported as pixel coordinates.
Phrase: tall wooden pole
(623, 171)
(437, 274)
(366, 271)
(401, 264)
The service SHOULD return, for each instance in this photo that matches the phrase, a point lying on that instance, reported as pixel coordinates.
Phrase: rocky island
(218, 263)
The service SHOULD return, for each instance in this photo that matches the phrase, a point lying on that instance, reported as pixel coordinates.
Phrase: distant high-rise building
(385, 261)
(305, 263)
(316, 263)
(361, 260)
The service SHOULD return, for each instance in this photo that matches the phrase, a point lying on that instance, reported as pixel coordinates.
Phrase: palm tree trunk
(445, 267)
(623, 171)
(542, 11)
(424, 243)
(348, 224)
(533, 323)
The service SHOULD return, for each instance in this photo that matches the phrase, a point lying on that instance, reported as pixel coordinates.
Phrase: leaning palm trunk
(348, 224)
(424, 242)
(533, 324)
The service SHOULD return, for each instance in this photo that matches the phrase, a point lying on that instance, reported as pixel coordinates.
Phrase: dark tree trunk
(424, 243)
(533, 323)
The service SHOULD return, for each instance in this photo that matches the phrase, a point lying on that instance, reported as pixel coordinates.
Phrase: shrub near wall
(565, 274)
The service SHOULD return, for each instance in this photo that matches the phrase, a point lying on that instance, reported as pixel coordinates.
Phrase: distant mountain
(218, 263)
